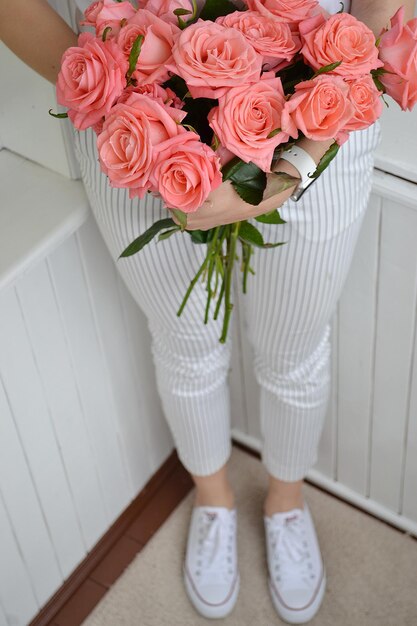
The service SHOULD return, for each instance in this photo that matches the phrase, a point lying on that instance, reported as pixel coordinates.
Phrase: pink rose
(320, 108)
(212, 58)
(340, 38)
(366, 100)
(165, 9)
(167, 97)
(398, 51)
(271, 38)
(247, 118)
(91, 78)
(292, 11)
(107, 13)
(156, 49)
(130, 134)
(185, 172)
(91, 13)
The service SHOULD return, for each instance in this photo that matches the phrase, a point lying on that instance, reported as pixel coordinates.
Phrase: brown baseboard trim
(136, 524)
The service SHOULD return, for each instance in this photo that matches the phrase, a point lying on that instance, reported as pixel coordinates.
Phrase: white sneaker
(297, 577)
(210, 569)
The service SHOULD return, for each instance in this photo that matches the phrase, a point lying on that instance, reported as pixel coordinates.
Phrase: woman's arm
(377, 13)
(36, 34)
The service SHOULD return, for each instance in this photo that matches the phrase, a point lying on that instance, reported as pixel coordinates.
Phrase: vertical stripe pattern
(287, 310)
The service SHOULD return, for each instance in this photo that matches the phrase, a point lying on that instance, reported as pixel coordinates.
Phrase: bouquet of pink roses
(181, 101)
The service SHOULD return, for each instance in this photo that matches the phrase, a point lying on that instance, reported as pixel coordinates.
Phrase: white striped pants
(287, 310)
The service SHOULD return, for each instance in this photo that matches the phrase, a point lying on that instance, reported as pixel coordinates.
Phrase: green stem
(192, 284)
(212, 251)
(231, 253)
(246, 253)
(219, 300)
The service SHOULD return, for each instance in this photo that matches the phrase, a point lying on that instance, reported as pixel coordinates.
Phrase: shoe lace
(214, 560)
(289, 550)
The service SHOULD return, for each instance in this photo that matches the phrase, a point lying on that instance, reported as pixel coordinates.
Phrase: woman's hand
(225, 206)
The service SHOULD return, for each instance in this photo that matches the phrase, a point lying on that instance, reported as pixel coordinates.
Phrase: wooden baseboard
(83, 589)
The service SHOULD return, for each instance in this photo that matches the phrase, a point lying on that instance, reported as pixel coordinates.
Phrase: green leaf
(325, 160)
(327, 68)
(250, 234)
(179, 12)
(215, 142)
(378, 83)
(168, 233)
(182, 12)
(59, 115)
(272, 217)
(199, 236)
(248, 180)
(134, 55)
(274, 245)
(190, 128)
(146, 237)
(273, 133)
(342, 7)
(181, 217)
(105, 31)
(216, 8)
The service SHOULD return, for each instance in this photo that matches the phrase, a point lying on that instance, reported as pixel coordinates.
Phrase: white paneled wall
(81, 427)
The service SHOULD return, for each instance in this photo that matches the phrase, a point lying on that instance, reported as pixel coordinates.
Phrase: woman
(288, 309)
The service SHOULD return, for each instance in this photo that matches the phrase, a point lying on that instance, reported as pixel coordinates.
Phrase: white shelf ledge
(39, 209)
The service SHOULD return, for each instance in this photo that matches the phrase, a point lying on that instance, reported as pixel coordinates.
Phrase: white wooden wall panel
(394, 343)
(92, 375)
(3, 620)
(20, 375)
(49, 343)
(17, 595)
(101, 275)
(357, 311)
(409, 499)
(32, 564)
